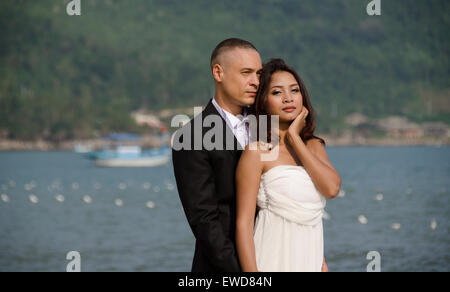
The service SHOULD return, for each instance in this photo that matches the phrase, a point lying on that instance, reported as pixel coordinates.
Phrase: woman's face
(284, 97)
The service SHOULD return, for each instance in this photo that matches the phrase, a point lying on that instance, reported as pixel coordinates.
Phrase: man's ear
(217, 72)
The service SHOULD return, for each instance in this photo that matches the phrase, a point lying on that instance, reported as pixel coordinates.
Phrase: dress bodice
(289, 192)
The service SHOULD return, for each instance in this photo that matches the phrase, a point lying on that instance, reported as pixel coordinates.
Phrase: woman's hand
(298, 124)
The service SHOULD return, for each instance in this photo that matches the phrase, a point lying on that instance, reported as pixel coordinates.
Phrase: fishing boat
(130, 155)
(133, 156)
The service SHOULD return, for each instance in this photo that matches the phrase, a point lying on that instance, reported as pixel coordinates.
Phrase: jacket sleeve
(196, 187)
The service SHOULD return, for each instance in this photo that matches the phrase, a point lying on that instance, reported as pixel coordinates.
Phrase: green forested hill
(65, 76)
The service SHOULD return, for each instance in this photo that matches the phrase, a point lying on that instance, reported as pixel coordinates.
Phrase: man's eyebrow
(248, 69)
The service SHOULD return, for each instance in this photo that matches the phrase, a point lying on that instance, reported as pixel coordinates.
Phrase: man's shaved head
(235, 66)
(227, 45)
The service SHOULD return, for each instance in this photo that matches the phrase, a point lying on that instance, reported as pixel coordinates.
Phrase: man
(206, 178)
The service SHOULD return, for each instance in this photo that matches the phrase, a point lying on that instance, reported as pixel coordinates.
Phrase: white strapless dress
(288, 230)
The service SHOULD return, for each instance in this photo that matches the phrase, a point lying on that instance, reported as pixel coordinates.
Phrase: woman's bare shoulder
(315, 144)
(251, 161)
(255, 155)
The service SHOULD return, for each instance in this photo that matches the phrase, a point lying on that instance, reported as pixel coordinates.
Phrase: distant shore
(387, 141)
(151, 142)
(42, 145)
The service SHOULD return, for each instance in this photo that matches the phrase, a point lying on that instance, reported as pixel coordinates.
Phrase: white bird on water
(33, 199)
(362, 219)
(396, 226)
(118, 202)
(379, 197)
(87, 199)
(433, 224)
(59, 198)
(5, 198)
(150, 204)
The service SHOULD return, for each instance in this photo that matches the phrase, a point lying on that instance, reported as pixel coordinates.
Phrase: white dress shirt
(239, 127)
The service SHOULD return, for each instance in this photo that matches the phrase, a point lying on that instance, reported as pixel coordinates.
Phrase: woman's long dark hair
(260, 105)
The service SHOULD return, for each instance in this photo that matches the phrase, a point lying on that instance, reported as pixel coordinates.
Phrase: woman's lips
(289, 109)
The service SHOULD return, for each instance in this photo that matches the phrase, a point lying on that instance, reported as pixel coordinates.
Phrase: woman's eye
(296, 90)
(276, 92)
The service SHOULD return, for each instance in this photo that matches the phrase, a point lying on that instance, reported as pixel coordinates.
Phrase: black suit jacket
(207, 189)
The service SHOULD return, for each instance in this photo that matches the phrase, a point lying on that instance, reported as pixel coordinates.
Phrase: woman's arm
(248, 176)
(315, 160)
(324, 266)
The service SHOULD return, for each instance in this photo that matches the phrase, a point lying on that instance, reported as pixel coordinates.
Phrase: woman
(289, 192)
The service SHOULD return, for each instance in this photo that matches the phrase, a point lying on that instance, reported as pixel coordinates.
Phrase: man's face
(240, 78)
